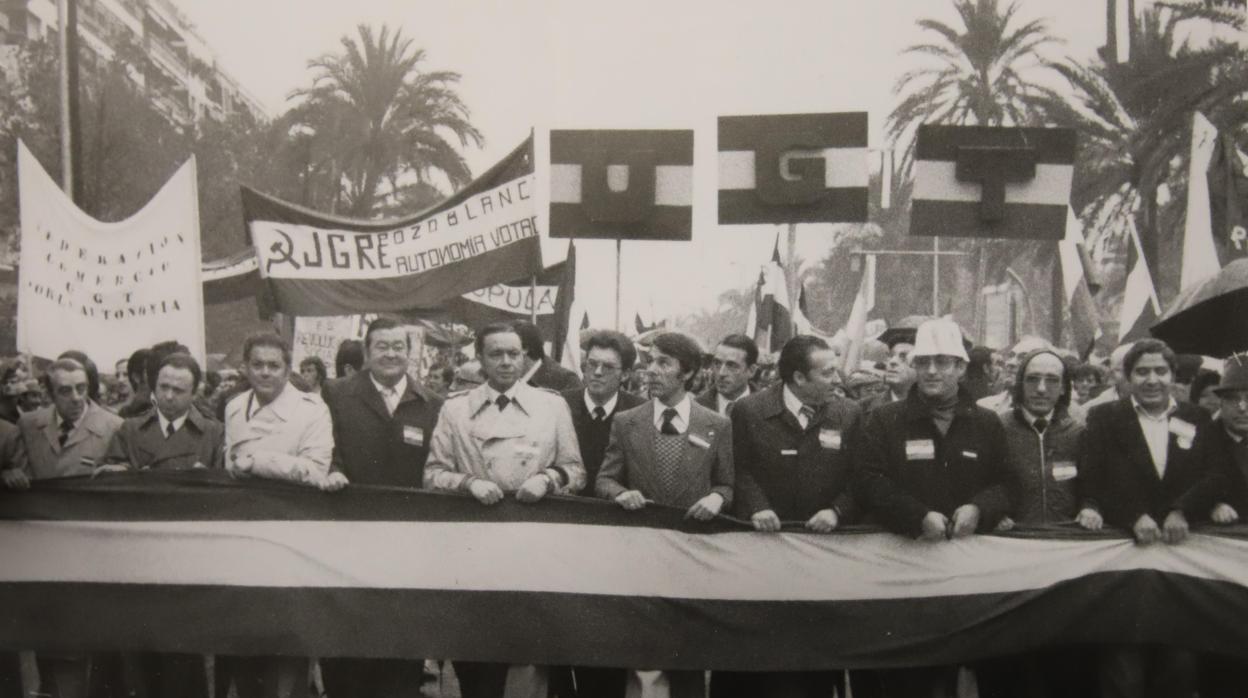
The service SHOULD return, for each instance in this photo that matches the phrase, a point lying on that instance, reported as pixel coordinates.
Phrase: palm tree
(1134, 121)
(982, 74)
(376, 118)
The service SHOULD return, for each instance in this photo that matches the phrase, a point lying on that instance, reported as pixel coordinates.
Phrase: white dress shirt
(607, 407)
(681, 420)
(391, 396)
(794, 406)
(1156, 433)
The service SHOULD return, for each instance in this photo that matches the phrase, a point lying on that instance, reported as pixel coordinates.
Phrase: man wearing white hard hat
(933, 467)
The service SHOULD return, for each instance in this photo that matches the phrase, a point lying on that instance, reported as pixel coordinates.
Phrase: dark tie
(169, 430)
(1041, 424)
(668, 428)
(66, 428)
(808, 412)
(599, 414)
(502, 402)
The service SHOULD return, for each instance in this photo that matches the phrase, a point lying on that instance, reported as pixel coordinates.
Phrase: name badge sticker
(920, 449)
(830, 439)
(1064, 470)
(788, 451)
(413, 436)
(1183, 431)
(970, 455)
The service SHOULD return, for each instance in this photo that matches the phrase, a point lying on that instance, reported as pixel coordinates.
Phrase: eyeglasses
(592, 366)
(944, 363)
(1051, 381)
(1239, 400)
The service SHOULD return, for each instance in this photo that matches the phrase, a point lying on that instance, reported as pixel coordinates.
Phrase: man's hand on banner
(1146, 530)
(935, 527)
(1224, 514)
(965, 521)
(824, 521)
(485, 491)
(632, 500)
(109, 468)
(1006, 524)
(766, 520)
(14, 479)
(534, 488)
(333, 482)
(706, 508)
(1090, 519)
(1174, 530)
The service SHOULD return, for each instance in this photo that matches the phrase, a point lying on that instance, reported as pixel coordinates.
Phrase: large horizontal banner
(322, 265)
(107, 288)
(216, 565)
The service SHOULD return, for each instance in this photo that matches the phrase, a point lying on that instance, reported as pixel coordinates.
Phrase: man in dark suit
(174, 435)
(1146, 456)
(673, 452)
(383, 421)
(609, 356)
(732, 368)
(790, 446)
(540, 371)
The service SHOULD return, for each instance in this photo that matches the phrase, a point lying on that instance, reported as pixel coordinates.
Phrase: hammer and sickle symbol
(283, 253)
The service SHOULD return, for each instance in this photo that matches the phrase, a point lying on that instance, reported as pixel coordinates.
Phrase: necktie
(1041, 424)
(502, 402)
(392, 401)
(806, 413)
(599, 414)
(668, 428)
(66, 428)
(169, 430)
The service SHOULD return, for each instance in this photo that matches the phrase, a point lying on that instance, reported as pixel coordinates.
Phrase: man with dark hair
(898, 376)
(174, 435)
(382, 423)
(140, 393)
(349, 359)
(673, 452)
(933, 467)
(1146, 455)
(732, 367)
(609, 356)
(503, 437)
(93, 372)
(312, 370)
(540, 371)
(790, 445)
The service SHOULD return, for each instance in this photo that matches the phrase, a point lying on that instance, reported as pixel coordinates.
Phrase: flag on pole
(1140, 307)
(774, 323)
(566, 339)
(864, 302)
(1200, 254)
(1228, 200)
(1082, 317)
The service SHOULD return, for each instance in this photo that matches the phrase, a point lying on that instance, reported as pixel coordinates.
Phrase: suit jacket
(552, 376)
(84, 449)
(12, 450)
(708, 399)
(792, 471)
(629, 464)
(372, 447)
(905, 467)
(592, 435)
(140, 444)
(1227, 481)
(1123, 479)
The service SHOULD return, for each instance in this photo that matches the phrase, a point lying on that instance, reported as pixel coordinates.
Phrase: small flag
(793, 168)
(774, 317)
(630, 184)
(1140, 307)
(1084, 321)
(978, 181)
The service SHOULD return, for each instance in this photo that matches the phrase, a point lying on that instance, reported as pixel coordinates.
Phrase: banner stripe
(1051, 146)
(958, 219)
(664, 223)
(847, 205)
(565, 183)
(846, 168)
(936, 181)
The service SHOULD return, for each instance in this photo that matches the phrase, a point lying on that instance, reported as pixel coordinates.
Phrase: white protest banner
(107, 288)
(321, 335)
(517, 299)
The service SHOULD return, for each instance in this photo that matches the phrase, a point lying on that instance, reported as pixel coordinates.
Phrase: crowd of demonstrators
(790, 441)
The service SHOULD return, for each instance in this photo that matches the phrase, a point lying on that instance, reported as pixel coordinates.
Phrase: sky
(640, 64)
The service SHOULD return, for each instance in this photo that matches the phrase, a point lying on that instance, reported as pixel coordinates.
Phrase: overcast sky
(640, 64)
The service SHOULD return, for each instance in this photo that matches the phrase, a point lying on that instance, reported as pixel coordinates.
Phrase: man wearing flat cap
(933, 466)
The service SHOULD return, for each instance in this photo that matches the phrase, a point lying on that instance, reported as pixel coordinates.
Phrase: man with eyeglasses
(609, 356)
(933, 467)
(1146, 456)
(731, 368)
(383, 420)
(1043, 442)
(503, 438)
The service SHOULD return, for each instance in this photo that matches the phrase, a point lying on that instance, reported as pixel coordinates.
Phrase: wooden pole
(935, 276)
(619, 249)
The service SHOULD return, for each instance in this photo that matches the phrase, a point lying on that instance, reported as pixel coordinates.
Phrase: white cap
(939, 337)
